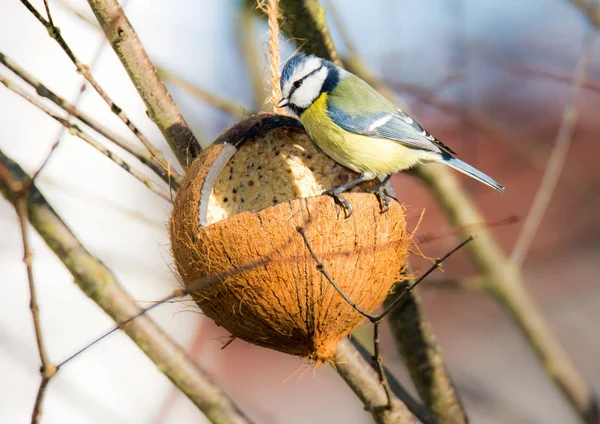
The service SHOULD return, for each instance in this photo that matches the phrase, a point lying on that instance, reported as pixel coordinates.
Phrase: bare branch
(398, 298)
(226, 105)
(245, 36)
(178, 293)
(423, 358)
(76, 131)
(90, 121)
(48, 13)
(161, 107)
(84, 70)
(448, 406)
(19, 191)
(417, 409)
(591, 8)
(90, 22)
(364, 382)
(504, 281)
(555, 162)
(100, 284)
(359, 68)
(304, 21)
(437, 263)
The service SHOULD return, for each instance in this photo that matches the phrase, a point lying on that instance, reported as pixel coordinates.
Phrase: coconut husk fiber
(269, 291)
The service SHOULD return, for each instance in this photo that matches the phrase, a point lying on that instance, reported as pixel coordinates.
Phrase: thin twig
(501, 278)
(78, 132)
(245, 37)
(416, 408)
(19, 192)
(423, 357)
(376, 319)
(443, 395)
(505, 282)
(437, 263)
(364, 382)
(475, 283)
(232, 108)
(321, 268)
(161, 108)
(341, 28)
(176, 294)
(55, 33)
(90, 121)
(379, 363)
(90, 22)
(556, 160)
(526, 68)
(430, 237)
(100, 284)
(48, 14)
(536, 158)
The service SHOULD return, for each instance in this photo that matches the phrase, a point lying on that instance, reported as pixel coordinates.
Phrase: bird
(359, 128)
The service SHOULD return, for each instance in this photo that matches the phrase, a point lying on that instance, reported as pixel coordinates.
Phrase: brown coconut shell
(270, 292)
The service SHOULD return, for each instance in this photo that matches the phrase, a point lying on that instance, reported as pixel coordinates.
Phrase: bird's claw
(383, 198)
(339, 199)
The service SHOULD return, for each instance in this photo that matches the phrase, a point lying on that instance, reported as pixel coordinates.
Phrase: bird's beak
(283, 102)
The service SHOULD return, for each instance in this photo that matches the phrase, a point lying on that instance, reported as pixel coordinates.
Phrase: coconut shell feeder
(236, 215)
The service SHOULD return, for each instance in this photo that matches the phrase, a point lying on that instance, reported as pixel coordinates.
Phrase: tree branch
(232, 108)
(19, 191)
(591, 9)
(76, 131)
(304, 21)
(245, 39)
(161, 107)
(91, 122)
(504, 281)
(446, 411)
(310, 38)
(364, 382)
(417, 409)
(84, 70)
(100, 284)
(555, 162)
(423, 357)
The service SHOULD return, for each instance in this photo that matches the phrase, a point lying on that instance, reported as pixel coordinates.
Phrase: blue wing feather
(394, 126)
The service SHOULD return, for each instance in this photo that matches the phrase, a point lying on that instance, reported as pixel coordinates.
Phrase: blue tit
(359, 128)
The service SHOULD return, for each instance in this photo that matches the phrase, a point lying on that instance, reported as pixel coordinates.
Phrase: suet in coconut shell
(236, 214)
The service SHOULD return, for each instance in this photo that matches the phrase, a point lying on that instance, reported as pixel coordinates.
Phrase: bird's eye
(298, 83)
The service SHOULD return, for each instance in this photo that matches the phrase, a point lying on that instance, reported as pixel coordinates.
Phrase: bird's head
(303, 79)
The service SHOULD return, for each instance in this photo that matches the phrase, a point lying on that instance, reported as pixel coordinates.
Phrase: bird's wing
(375, 116)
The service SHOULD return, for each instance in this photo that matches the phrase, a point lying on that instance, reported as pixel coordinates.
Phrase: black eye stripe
(301, 80)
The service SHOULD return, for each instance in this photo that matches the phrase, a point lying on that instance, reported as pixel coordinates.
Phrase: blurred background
(488, 77)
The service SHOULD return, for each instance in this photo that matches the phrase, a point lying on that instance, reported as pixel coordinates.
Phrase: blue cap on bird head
(303, 79)
(290, 66)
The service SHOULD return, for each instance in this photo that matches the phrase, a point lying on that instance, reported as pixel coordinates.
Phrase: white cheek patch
(305, 68)
(309, 90)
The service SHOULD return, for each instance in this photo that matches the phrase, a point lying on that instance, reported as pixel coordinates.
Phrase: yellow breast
(376, 156)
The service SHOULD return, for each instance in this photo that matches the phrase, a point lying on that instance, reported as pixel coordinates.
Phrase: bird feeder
(236, 217)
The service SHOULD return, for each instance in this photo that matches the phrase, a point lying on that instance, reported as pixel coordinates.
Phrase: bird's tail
(467, 169)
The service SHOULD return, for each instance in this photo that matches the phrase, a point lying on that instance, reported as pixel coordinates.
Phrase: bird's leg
(379, 191)
(336, 193)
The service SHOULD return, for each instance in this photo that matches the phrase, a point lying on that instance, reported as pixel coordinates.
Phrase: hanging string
(273, 16)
